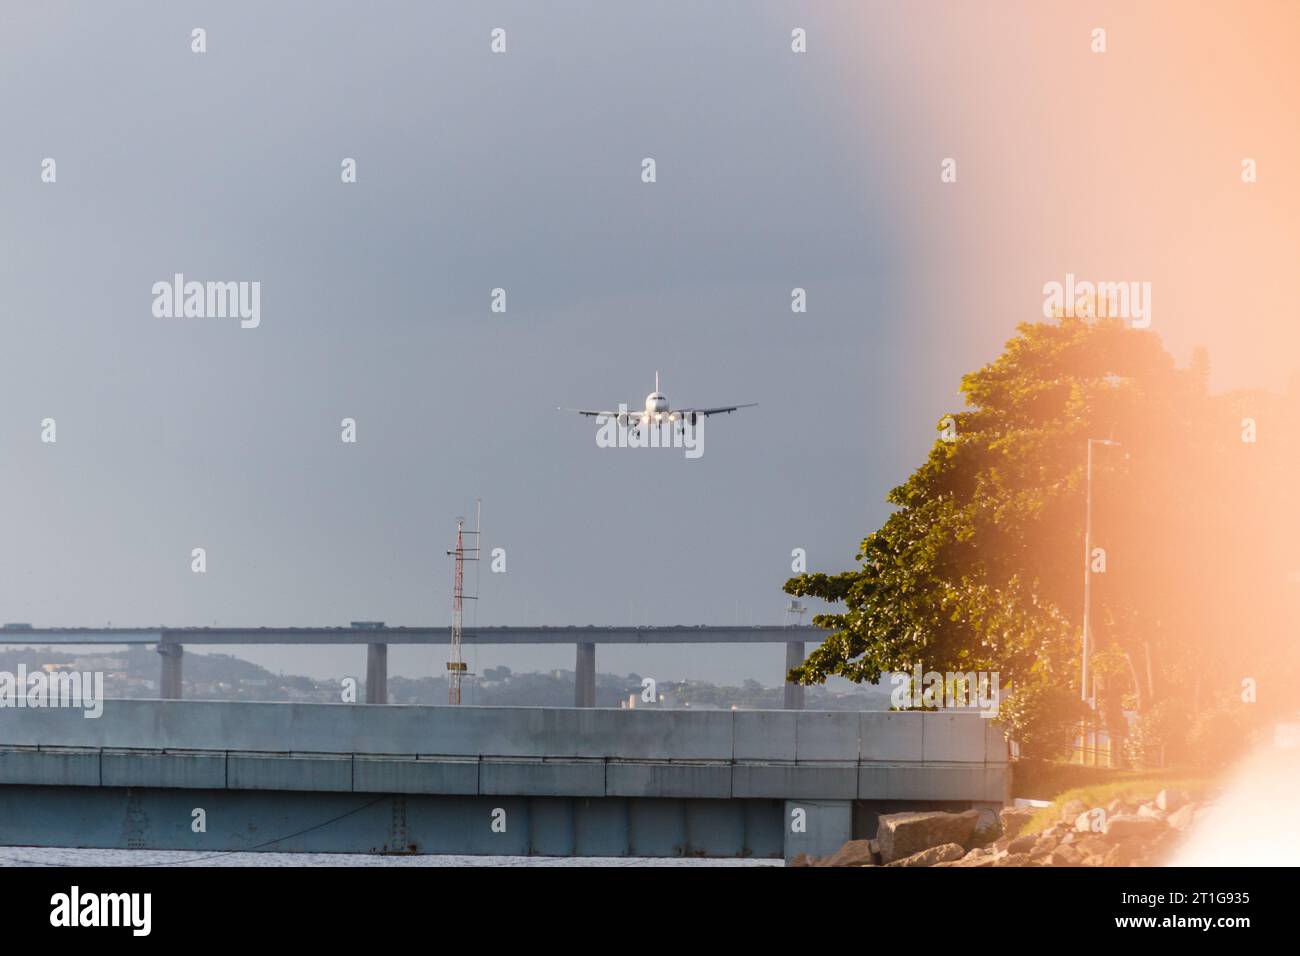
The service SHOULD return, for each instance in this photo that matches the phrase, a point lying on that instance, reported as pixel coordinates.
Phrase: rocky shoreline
(1123, 833)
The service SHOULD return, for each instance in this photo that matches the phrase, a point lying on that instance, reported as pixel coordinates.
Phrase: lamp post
(1087, 573)
(1084, 695)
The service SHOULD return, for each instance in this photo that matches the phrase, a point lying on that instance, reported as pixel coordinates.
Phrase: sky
(522, 170)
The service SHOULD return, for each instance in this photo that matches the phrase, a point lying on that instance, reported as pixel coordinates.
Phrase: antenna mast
(456, 666)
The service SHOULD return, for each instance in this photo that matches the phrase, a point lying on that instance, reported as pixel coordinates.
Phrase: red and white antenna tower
(456, 666)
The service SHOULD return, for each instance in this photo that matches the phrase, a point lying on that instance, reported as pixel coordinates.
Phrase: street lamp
(1087, 575)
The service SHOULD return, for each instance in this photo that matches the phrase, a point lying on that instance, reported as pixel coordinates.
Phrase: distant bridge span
(376, 636)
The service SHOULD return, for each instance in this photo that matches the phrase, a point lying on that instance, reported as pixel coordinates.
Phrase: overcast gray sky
(474, 171)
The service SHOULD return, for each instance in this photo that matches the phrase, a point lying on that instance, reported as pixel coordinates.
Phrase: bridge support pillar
(376, 673)
(817, 827)
(584, 676)
(793, 692)
(169, 681)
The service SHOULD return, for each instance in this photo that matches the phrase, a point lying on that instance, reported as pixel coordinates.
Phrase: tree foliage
(981, 564)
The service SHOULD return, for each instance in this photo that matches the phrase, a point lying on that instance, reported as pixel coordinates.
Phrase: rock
(987, 828)
(1012, 859)
(1065, 856)
(1022, 844)
(901, 835)
(1151, 810)
(1170, 800)
(945, 853)
(1013, 820)
(1043, 846)
(802, 859)
(853, 853)
(1119, 855)
(1130, 827)
(1089, 820)
(1116, 807)
(1092, 845)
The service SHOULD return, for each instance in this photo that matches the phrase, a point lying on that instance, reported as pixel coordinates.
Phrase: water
(61, 856)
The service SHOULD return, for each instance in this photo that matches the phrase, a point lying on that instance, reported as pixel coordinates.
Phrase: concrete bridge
(376, 637)
(481, 780)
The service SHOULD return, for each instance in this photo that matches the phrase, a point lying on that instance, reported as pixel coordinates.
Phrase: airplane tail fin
(656, 380)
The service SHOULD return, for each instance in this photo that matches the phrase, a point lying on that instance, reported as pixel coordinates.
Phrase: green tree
(981, 564)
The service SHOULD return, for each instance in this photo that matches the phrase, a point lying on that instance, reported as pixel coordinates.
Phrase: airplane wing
(714, 411)
(588, 411)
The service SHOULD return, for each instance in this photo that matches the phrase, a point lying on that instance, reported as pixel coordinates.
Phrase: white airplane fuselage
(657, 409)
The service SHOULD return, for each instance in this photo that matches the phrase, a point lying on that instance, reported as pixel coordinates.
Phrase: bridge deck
(581, 780)
(591, 634)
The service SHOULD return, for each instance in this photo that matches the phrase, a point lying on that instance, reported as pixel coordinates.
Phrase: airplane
(658, 411)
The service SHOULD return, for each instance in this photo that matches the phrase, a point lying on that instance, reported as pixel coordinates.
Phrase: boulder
(1086, 821)
(901, 835)
(987, 828)
(1022, 844)
(1013, 820)
(1043, 846)
(1122, 854)
(1012, 859)
(1132, 827)
(1170, 800)
(853, 853)
(1065, 856)
(1092, 845)
(1151, 810)
(946, 853)
(972, 859)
